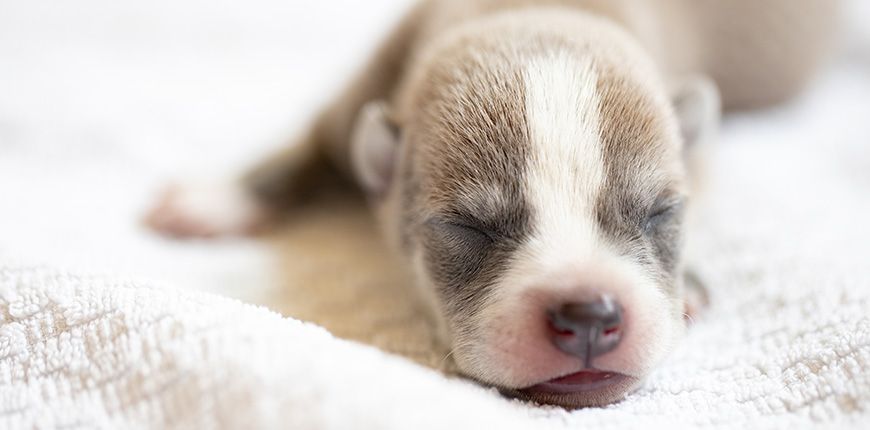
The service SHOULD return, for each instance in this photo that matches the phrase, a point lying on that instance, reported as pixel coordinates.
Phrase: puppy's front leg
(245, 205)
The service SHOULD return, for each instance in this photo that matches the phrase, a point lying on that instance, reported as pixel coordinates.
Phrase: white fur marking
(566, 169)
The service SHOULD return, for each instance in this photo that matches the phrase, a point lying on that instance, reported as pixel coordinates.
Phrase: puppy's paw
(205, 210)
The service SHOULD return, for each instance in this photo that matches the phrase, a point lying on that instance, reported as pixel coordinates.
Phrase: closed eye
(463, 230)
(473, 229)
(661, 214)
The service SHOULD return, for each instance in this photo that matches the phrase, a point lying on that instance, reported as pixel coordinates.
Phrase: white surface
(102, 101)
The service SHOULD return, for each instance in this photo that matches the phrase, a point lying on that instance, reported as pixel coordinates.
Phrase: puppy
(527, 159)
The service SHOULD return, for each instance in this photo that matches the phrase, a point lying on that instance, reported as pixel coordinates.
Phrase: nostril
(560, 331)
(587, 329)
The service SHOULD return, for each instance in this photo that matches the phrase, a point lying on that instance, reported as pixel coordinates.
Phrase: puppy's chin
(579, 390)
(587, 387)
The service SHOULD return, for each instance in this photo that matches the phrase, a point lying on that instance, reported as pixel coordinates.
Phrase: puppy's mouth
(587, 387)
(583, 381)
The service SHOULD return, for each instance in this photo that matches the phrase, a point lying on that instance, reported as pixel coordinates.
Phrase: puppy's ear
(698, 107)
(373, 148)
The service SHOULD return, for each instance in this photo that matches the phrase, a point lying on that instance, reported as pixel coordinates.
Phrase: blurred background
(104, 101)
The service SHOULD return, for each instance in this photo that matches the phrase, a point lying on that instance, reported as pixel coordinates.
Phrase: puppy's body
(527, 160)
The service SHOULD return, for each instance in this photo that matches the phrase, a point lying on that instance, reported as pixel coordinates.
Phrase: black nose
(587, 330)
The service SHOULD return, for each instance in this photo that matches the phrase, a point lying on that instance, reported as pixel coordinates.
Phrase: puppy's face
(539, 195)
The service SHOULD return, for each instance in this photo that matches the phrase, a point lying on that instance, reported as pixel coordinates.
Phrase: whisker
(689, 317)
(446, 356)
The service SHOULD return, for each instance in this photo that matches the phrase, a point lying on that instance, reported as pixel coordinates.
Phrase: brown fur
(758, 53)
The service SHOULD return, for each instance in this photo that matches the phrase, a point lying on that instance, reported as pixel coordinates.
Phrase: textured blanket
(103, 325)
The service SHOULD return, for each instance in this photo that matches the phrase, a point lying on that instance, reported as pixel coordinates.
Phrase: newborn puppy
(527, 160)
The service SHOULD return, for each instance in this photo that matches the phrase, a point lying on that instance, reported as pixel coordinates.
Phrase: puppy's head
(532, 174)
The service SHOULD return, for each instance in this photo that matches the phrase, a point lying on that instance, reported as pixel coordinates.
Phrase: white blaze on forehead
(566, 169)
